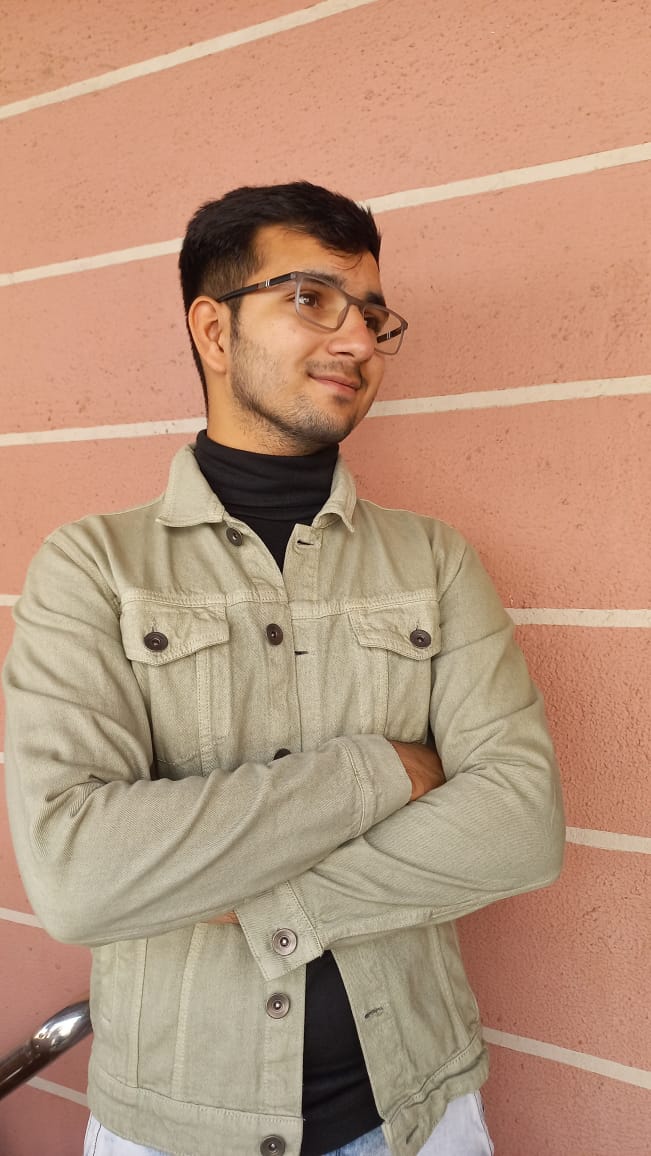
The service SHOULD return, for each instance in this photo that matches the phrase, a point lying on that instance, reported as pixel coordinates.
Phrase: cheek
(293, 346)
(367, 396)
(375, 375)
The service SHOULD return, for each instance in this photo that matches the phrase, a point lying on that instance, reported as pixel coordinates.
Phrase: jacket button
(272, 1146)
(274, 634)
(234, 536)
(284, 941)
(278, 1006)
(155, 640)
(420, 638)
(280, 754)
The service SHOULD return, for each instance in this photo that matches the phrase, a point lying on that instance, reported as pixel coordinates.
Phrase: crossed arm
(108, 854)
(425, 772)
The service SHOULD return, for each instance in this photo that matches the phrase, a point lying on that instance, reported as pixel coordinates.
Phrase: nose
(353, 337)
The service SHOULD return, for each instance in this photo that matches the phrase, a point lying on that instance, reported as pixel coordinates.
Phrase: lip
(336, 379)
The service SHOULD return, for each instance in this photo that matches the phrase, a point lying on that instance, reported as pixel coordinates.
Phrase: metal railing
(61, 1031)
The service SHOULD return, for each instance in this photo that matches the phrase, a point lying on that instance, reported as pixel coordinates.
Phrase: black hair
(219, 248)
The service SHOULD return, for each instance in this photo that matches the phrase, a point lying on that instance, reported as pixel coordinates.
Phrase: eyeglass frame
(297, 276)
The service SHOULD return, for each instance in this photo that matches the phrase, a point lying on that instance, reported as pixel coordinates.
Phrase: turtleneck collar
(267, 485)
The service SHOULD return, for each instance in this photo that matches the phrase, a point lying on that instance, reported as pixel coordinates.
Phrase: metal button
(274, 634)
(278, 1006)
(272, 1146)
(284, 941)
(234, 536)
(280, 754)
(155, 640)
(420, 638)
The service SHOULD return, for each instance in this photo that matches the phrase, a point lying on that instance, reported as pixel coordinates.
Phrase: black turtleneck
(271, 494)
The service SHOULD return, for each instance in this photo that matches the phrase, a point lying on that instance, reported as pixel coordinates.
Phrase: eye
(309, 299)
(374, 321)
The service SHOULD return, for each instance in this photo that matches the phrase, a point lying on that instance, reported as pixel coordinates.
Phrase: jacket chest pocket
(396, 647)
(181, 658)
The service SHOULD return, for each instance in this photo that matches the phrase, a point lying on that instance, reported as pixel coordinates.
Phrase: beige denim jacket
(160, 661)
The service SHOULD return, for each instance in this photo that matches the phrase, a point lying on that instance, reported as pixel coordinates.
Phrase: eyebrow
(339, 283)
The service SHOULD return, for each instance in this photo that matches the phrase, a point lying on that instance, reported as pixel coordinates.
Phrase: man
(224, 712)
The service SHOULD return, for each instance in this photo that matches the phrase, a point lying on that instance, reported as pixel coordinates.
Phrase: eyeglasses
(324, 305)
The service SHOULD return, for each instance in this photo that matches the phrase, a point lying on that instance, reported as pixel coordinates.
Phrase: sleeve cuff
(279, 934)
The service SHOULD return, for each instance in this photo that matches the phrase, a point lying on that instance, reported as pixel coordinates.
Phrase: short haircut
(219, 248)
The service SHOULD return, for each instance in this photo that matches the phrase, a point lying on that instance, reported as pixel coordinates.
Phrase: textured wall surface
(506, 150)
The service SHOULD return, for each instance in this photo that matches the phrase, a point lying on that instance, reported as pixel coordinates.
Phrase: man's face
(291, 388)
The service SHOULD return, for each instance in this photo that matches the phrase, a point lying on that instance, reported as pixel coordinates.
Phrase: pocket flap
(411, 629)
(159, 632)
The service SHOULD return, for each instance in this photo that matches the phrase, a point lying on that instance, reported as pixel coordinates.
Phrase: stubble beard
(297, 426)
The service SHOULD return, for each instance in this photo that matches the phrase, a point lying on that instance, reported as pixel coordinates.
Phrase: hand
(423, 766)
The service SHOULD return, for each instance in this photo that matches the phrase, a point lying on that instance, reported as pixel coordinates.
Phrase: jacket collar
(189, 500)
(342, 500)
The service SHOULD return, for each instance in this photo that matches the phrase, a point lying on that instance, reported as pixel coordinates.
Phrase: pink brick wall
(519, 412)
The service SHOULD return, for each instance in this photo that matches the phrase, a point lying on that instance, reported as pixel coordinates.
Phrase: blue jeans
(461, 1132)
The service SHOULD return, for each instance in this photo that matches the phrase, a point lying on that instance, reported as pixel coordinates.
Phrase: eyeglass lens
(324, 305)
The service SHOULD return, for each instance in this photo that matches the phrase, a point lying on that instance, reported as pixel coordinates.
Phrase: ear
(210, 325)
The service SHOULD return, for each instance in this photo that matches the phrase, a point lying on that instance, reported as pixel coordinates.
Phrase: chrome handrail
(61, 1031)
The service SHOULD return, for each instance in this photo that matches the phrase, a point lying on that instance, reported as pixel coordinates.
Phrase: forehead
(284, 250)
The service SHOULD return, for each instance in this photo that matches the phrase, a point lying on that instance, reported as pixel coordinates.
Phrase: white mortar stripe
(639, 1077)
(10, 916)
(534, 616)
(8, 599)
(409, 198)
(513, 178)
(443, 403)
(518, 395)
(58, 1090)
(143, 429)
(99, 261)
(183, 55)
(609, 840)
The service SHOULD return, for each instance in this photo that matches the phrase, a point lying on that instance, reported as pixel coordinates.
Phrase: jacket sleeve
(107, 853)
(493, 830)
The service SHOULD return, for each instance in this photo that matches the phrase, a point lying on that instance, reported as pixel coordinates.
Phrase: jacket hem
(410, 1125)
(181, 1128)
